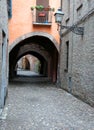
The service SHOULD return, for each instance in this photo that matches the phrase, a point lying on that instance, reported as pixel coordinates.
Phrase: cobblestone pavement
(45, 107)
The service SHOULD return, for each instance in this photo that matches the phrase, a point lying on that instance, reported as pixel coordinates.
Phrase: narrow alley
(47, 65)
(44, 107)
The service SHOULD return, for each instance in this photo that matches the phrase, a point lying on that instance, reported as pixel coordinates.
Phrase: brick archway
(39, 44)
(46, 35)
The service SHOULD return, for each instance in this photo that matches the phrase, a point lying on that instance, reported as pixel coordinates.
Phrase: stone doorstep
(3, 113)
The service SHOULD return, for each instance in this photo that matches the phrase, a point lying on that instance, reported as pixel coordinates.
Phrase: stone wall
(78, 78)
(3, 51)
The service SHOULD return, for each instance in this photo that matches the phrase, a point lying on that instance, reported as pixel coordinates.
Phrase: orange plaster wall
(21, 21)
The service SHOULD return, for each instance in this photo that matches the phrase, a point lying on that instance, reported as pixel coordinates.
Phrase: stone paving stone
(45, 107)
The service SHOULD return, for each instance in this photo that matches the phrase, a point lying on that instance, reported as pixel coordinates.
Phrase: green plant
(32, 7)
(53, 9)
(39, 7)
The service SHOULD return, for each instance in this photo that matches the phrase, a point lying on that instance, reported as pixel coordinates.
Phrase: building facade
(26, 21)
(3, 51)
(77, 51)
(33, 31)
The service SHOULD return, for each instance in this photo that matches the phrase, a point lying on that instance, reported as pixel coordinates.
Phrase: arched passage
(41, 45)
(28, 62)
(23, 63)
(42, 70)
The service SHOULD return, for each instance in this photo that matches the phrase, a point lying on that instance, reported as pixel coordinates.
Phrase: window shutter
(9, 6)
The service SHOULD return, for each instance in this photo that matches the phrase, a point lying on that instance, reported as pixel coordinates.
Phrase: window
(67, 56)
(67, 18)
(42, 17)
(79, 10)
(3, 90)
(68, 7)
(67, 21)
(9, 7)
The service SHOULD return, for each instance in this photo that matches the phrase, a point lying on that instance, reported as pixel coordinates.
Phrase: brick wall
(79, 79)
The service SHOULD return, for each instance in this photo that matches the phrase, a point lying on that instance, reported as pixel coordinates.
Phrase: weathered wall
(3, 51)
(79, 79)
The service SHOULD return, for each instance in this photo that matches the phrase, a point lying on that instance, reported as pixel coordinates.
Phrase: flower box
(41, 14)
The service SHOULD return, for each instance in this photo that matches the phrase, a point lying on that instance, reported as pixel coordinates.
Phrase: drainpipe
(59, 77)
(71, 69)
(61, 4)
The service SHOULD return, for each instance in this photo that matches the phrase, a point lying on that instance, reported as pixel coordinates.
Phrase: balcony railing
(42, 17)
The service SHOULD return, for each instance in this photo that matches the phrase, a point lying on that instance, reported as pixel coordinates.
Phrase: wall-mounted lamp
(58, 19)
